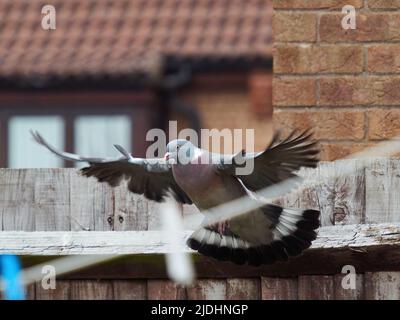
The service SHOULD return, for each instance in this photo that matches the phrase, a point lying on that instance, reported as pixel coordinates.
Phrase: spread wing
(278, 162)
(151, 177)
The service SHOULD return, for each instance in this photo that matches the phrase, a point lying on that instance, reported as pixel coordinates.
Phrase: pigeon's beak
(166, 157)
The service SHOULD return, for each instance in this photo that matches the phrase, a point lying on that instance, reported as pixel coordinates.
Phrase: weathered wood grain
(316, 287)
(92, 290)
(349, 294)
(324, 187)
(362, 237)
(382, 178)
(61, 292)
(60, 195)
(382, 285)
(349, 192)
(366, 247)
(92, 209)
(341, 199)
(154, 211)
(160, 289)
(243, 289)
(207, 289)
(17, 199)
(131, 211)
(279, 288)
(92, 204)
(129, 289)
(17, 206)
(51, 202)
(62, 200)
(305, 195)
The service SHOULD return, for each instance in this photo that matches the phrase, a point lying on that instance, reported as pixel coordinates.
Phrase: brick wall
(343, 83)
(244, 106)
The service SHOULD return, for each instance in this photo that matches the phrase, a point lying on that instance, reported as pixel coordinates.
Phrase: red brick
(370, 27)
(294, 91)
(315, 4)
(328, 125)
(384, 58)
(260, 92)
(383, 123)
(299, 26)
(312, 59)
(349, 91)
(334, 151)
(384, 4)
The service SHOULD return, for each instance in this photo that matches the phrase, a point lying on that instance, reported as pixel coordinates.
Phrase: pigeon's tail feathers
(225, 248)
(292, 230)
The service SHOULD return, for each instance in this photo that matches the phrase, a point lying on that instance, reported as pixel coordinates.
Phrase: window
(23, 152)
(89, 130)
(96, 135)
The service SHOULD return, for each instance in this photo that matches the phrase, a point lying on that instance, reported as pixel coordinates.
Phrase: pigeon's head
(182, 151)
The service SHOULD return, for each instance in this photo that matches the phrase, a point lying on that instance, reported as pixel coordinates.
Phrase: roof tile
(105, 36)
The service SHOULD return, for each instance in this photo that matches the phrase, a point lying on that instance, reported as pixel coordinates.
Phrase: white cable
(179, 264)
(222, 212)
(62, 266)
(245, 204)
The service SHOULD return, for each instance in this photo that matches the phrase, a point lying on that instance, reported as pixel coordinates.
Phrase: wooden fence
(55, 200)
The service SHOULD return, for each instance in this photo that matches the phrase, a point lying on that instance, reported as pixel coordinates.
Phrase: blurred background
(112, 70)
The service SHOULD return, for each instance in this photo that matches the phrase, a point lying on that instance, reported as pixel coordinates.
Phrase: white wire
(245, 204)
(179, 264)
(62, 266)
(222, 212)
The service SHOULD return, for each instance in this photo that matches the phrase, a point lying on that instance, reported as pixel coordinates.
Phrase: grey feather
(151, 177)
(268, 234)
(278, 162)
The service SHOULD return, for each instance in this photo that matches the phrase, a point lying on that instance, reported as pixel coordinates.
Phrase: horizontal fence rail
(366, 247)
(46, 213)
(362, 237)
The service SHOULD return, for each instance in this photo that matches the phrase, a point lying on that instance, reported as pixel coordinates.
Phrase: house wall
(235, 102)
(345, 84)
(140, 107)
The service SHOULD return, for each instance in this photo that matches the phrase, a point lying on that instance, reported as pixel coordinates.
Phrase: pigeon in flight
(195, 176)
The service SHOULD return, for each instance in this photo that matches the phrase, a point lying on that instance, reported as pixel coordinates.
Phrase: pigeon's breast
(194, 176)
(204, 186)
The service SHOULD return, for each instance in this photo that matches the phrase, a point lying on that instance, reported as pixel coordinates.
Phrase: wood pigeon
(195, 176)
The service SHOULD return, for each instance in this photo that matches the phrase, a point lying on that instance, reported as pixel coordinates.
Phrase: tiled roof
(100, 37)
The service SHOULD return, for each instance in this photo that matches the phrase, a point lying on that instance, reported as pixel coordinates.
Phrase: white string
(245, 204)
(222, 212)
(179, 264)
(62, 266)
